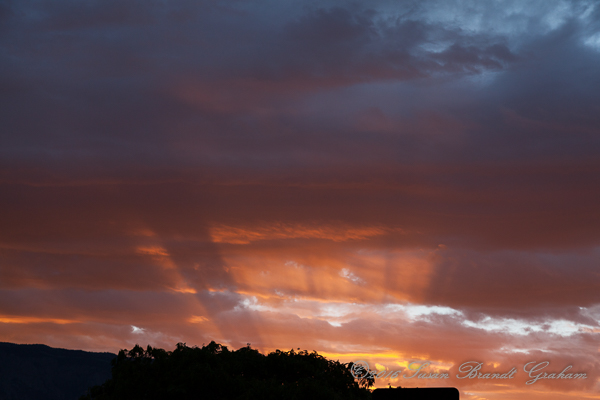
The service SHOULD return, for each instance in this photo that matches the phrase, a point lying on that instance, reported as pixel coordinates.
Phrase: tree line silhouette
(215, 372)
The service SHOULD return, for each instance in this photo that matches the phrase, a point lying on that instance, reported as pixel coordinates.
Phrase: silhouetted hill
(37, 371)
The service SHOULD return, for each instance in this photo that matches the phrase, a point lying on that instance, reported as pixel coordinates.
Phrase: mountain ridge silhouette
(38, 371)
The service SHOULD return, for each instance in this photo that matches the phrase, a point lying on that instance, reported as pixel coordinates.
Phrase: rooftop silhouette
(435, 393)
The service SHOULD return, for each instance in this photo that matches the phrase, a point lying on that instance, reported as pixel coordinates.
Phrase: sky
(389, 181)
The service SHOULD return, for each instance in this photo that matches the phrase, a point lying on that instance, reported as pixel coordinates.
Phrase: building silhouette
(435, 393)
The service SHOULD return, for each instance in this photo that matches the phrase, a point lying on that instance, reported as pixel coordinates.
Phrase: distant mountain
(40, 372)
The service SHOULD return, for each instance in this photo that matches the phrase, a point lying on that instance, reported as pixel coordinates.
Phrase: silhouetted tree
(215, 372)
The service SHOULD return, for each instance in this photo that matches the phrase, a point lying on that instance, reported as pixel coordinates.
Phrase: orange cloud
(197, 319)
(277, 231)
(34, 320)
(153, 251)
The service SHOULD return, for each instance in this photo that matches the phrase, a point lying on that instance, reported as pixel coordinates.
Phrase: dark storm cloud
(123, 95)
(96, 81)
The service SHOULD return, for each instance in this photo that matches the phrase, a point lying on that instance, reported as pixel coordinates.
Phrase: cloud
(278, 231)
(398, 181)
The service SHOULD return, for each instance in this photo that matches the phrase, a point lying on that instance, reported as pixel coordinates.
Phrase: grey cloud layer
(135, 85)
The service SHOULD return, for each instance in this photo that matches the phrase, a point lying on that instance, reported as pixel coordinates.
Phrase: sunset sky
(388, 181)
